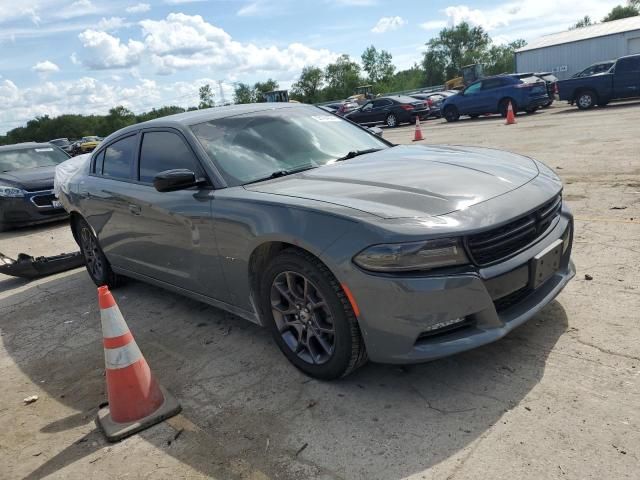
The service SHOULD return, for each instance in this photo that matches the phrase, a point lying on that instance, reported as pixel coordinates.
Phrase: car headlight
(6, 191)
(398, 257)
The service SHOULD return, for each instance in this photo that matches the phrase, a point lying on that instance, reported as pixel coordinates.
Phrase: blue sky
(85, 56)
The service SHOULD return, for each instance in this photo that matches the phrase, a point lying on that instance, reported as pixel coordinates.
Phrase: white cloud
(434, 25)
(183, 41)
(388, 24)
(111, 24)
(253, 8)
(182, 2)
(45, 67)
(105, 51)
(138, 8)
(79, 8)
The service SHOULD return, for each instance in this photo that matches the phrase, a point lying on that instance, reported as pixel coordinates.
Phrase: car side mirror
(172, 180)
(376, 131)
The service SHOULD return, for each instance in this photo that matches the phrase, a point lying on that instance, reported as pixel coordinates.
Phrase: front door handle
(135, 209)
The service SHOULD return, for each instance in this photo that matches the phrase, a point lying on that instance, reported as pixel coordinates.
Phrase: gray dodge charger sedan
(345, 246)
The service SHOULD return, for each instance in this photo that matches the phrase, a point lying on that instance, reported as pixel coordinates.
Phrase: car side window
(367, 107)
(381, 103)
(473, 88)
(118, 158)
(97, 168)
(625, 65)
(491, 84)
(162, 151)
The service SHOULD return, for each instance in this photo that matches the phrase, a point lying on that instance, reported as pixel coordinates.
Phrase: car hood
(410, 181)
(31, 179)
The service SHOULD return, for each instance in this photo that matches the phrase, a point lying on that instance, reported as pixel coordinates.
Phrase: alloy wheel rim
(303, 318)
(391, 121)
(91, 253)
(585, 100)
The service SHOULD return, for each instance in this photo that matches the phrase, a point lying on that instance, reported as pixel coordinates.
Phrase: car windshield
(253, 146)
(24, 158)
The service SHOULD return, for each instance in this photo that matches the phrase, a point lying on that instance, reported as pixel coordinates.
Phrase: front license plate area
(546, 263)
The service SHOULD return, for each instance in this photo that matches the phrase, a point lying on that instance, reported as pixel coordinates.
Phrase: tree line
(631, 9)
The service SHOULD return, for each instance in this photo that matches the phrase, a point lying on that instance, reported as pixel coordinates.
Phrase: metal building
(569, 52)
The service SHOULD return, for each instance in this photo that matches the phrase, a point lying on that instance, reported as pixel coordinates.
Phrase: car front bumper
(412, 319)
(31, 209)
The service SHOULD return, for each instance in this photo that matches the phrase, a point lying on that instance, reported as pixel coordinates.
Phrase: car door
(174, 241)
(363, 114)
(380, 110)
(108, 197)
(626, 80)
(469, 100)
(489, 97)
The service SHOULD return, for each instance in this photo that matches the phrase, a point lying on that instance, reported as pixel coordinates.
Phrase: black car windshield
(252, 146)
(24, 158)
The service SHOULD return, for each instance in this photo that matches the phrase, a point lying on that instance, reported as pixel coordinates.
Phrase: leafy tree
(377, 64)
(500, 58)
(118, 117)
(623, 11)
(260, 88)
(583, 22)
(160, 112)
(342, 77)
(454, 48)
(243, 93)
(307, 88)
(206, 96)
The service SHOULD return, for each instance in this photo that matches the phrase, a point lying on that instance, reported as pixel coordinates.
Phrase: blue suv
(493, 94)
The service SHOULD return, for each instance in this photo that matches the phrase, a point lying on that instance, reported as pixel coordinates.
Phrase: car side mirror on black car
(177, 179)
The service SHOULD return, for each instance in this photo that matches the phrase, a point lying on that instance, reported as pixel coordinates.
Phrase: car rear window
(162, 151)
(118, 158)
(24, 158)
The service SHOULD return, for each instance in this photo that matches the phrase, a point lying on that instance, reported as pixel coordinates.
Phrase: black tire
(451, 114)
(349, 351)
(504, 106)
(97, 265)
(586, 99)
(391, 121)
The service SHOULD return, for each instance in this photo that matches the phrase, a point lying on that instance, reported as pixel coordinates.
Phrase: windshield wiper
(356, 153)
(282, 173)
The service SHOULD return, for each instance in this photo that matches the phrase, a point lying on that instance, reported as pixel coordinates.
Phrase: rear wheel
(97, 264)
(310, 317)
(451, 114)
(586, 100)
(391, 120)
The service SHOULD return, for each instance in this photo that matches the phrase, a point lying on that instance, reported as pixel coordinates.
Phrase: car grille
(499, 243)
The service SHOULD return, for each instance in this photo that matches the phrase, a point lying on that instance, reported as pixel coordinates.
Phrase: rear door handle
(135, 209)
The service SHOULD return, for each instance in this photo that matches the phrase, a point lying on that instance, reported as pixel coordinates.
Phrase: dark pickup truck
(622, 81)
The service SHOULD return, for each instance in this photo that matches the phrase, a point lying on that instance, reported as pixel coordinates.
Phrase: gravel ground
(557, 398)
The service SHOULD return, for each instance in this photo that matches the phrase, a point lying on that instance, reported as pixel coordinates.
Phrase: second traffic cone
(418, 135)
(136, 400)
(511, 118)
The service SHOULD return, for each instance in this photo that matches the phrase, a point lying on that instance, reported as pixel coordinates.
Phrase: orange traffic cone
(511, 118)
(136, 400)
(418, 135)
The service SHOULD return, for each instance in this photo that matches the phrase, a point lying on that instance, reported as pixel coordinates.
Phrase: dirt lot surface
(557, 398)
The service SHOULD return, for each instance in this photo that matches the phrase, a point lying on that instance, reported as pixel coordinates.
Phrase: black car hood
(410, 181)
(30, 179)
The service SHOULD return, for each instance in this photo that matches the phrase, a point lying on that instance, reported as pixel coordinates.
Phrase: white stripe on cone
(113, 324)
(122, 357)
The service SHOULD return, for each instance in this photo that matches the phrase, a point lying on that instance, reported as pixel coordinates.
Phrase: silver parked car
(345, 246)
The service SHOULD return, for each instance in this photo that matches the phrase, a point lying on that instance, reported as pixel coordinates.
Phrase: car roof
(398, 98)
(24, 146)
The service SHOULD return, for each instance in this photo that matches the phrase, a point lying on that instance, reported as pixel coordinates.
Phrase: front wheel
(585, 100)
(310, 317)
(391, 120)
(451, 114)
